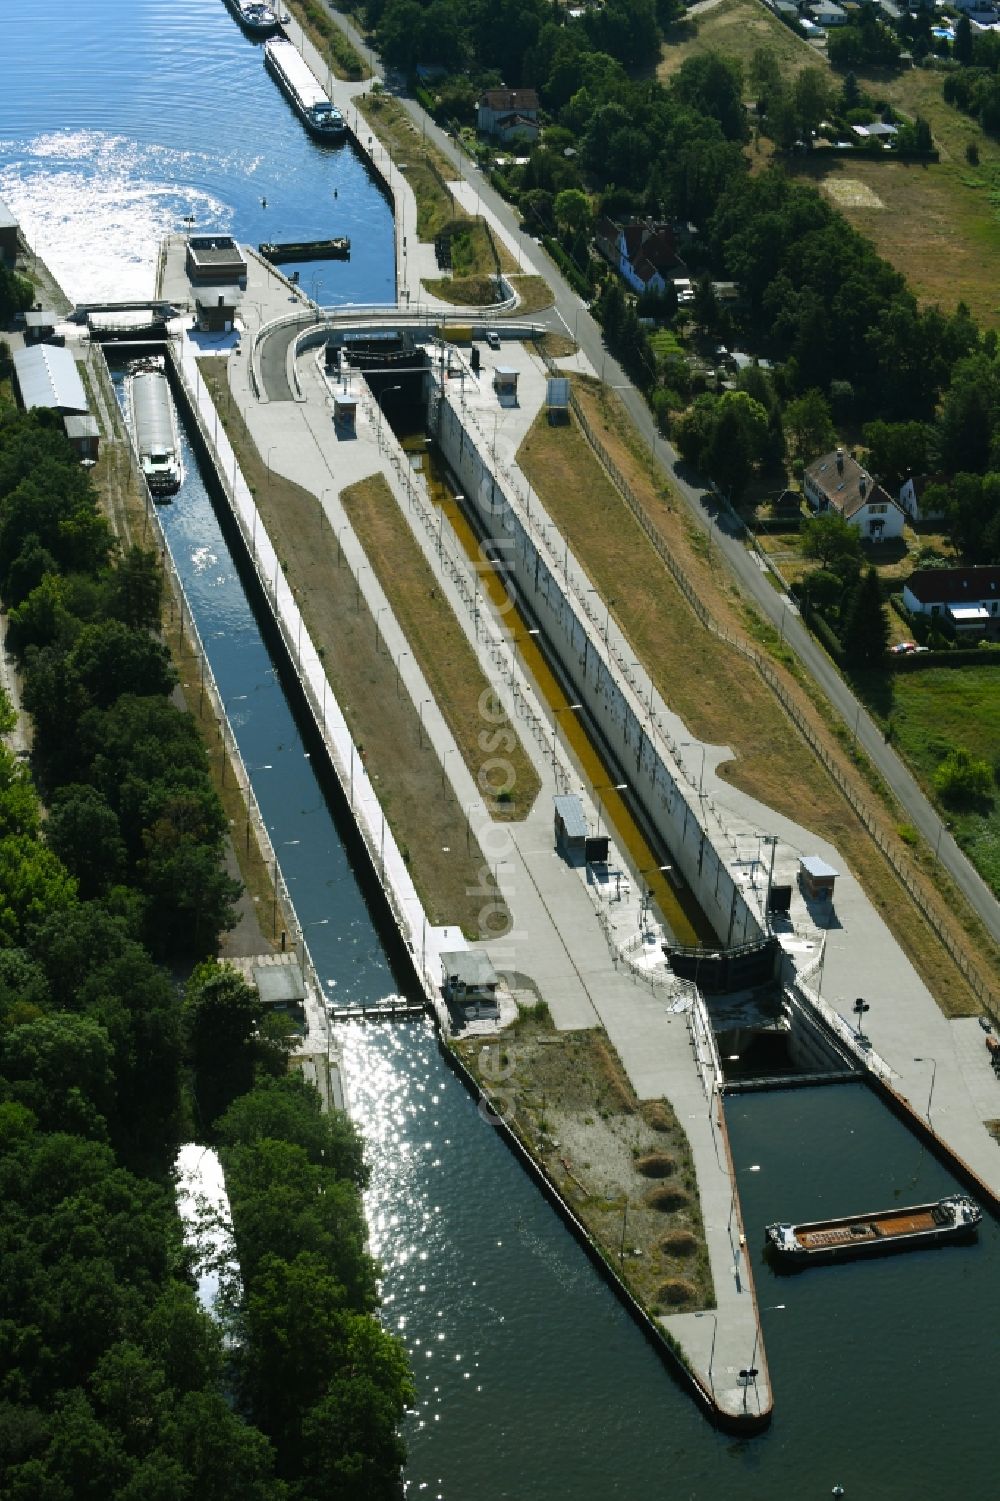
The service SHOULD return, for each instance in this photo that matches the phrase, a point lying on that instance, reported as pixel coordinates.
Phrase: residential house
(912, 493)
(509, 114)
(644, 252)
(825, 13)
(878, 131)
(837, 482)
(968, 598)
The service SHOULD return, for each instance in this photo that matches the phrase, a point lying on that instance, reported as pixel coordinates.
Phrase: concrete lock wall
(566, 631)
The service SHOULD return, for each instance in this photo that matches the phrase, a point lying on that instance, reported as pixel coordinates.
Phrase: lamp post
(691, 745)
(560, 709)
(236, 699)
(750, 1373)
(398, 660)
(270, 450)
(274, 885)
(515, 638)
(420, 717)
(265, 766)
(607, 787)
(646, 900)
(381, 409)
(859, 1008)
(708, 1314)
(930, 1094)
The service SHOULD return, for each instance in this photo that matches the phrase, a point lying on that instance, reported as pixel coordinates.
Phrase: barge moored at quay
(298, 83)
(336, 249)
(255, 16)
(152, 418)
(955, 1218)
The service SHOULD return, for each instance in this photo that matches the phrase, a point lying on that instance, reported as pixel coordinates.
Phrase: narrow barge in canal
(955, 1218)
(336, 249)
(298, 83)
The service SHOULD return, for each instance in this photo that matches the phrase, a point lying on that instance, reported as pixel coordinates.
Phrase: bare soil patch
(569, 1100)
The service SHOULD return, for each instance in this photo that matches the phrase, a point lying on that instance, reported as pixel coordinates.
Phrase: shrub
(679, 1243)
(675, 1291)
(666, 1200)
(962, 778)
(656, 1165)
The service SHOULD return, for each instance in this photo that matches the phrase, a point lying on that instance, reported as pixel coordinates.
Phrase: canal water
(532, 1382)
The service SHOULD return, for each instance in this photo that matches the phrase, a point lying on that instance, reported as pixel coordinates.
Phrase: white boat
(152, 419)
(298, 83)
(257, 17)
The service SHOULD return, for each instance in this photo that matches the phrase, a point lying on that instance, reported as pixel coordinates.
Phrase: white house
(968, 598)
(508, 114)
(643, 252)
(912, 496)
(837, 482)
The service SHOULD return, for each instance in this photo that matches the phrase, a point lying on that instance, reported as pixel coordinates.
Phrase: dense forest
(114, 1384)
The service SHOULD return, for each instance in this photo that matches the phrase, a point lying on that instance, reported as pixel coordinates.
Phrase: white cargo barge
(298, 83)
(152, 419)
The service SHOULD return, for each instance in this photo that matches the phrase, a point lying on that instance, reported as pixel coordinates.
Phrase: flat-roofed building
(215, 260)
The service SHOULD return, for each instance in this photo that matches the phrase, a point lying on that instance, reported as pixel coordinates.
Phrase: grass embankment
(931, 712)
(427, 820)
(718, 695)
(343, 59)
(420, 160)
(439, 644)
(624, 1168)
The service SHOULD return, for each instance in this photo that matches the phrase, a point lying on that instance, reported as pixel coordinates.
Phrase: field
(736, 28)
(934, 710)
(720, 699)
(625, 1168)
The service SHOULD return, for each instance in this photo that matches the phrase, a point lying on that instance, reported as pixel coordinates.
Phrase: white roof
(7, 220)
(814, 866)
(969, 612)
(47, 377)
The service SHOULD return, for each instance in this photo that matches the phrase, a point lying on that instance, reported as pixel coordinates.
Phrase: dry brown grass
(676, 1291)
(656, 1165)
(720, 699)
(438, 642)
(666, 1200)
(570, 1101)
(427, 820)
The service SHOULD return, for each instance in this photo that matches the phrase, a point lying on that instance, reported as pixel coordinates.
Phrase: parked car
(493, 339)
(901, 648)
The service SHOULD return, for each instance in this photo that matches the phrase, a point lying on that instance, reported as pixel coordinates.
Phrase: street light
(607, 787)
(647, 896)
(515, 638)
(420, 717)
(860, 1007)
(930, 1095)
(708, 1314)
(381, 409)
(560, 709)
(692, 745)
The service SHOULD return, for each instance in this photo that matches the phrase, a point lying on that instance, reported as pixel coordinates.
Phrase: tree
(572, 210)
(831, 539)
(84, 832)
(962, 48)
(808, 423)
(222, 1016)
(813, 97)
(897, 449)
(866, 623)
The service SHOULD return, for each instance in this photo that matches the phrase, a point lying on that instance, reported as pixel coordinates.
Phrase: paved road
(571, 313)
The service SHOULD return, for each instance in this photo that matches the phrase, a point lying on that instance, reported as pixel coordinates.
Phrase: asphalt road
(570, 314)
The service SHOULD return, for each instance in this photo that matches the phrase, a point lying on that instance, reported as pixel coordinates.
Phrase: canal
(533, 1383)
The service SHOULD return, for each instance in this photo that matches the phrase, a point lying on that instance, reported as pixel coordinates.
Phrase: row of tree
(114, 1383)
